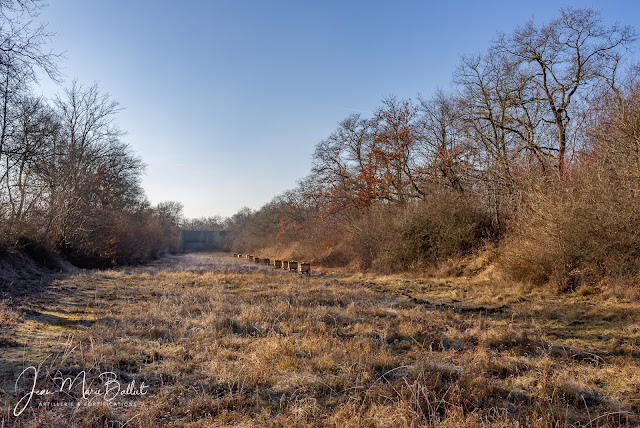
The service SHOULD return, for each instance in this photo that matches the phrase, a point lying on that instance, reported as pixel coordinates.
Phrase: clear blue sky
(225, 100)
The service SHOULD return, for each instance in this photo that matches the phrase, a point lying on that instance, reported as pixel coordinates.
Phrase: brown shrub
(576, 233)
(443, 226)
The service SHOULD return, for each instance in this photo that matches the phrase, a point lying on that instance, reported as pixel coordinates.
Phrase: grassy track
(218, 341)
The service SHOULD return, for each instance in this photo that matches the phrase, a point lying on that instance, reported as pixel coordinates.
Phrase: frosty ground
(220, 341)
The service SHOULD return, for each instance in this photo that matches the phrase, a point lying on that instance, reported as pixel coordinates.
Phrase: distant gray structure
(202, 240)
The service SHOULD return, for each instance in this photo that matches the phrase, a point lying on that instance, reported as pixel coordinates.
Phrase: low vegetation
(220, 341)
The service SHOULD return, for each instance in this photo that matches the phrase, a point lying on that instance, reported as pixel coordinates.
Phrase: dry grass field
(208, 340)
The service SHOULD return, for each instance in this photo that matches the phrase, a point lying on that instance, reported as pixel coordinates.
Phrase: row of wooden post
(290, 265)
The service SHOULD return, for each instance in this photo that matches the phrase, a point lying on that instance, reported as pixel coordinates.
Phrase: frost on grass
(221, 341)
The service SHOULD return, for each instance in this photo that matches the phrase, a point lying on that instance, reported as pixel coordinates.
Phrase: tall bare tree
(563, 60)
(92, 167)
(22, 55)
(443, 146)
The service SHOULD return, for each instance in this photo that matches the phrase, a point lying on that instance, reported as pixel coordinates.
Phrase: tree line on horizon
(534, 152)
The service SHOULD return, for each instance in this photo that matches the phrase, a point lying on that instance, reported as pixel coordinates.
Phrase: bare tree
(92, 168)
(35, 134)
(22, 54)
(488, 108)
(564, 59)
(444, 148)
(340, 162)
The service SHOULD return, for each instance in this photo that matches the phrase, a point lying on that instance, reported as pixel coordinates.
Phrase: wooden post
(305, 268)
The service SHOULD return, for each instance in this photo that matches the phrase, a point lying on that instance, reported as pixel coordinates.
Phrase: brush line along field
(209, 340)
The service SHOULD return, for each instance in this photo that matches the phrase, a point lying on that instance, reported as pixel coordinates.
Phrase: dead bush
(577, 233)
(427, 232)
